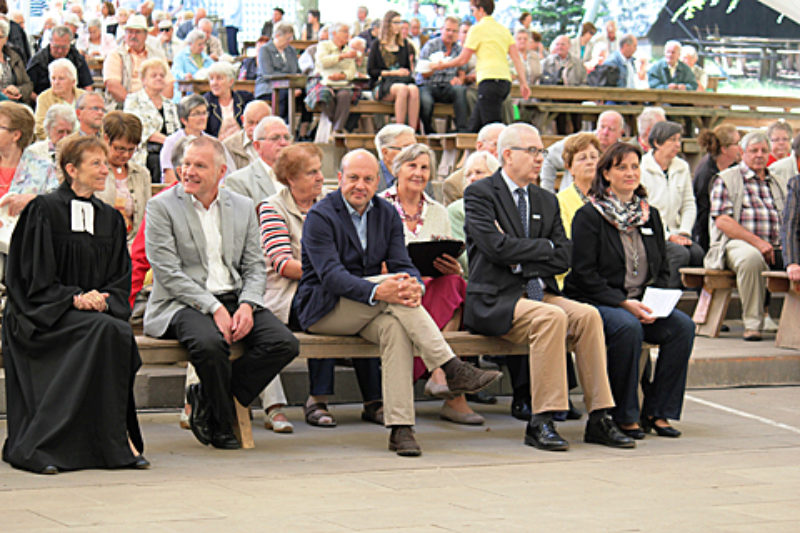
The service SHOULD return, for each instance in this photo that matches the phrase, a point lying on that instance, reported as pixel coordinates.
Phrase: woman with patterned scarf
(618, 251)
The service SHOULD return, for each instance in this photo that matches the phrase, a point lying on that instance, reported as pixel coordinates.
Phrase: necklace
(119, 170)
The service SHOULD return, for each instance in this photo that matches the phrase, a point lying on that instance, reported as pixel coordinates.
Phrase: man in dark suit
(270, 25)
(347, 237)
(516, 245)
(209, 278)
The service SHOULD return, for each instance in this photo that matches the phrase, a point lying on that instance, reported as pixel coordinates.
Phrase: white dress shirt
(219, 279)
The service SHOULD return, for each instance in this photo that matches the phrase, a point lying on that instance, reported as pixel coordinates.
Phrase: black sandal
(316, 412)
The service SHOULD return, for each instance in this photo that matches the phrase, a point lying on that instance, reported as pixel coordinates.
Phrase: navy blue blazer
(240, 100)
(334, 263)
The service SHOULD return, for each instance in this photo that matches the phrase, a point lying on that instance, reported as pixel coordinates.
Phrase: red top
(6, 175)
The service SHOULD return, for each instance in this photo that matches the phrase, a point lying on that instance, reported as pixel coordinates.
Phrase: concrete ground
(736, 469)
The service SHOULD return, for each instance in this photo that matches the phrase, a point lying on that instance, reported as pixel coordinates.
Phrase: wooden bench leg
(788, 333)
(243, 429)
(711, 309)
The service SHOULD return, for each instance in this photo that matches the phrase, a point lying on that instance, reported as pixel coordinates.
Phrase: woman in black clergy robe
(70, 355)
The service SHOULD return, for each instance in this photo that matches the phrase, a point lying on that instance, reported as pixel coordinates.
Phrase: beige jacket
(139, 187)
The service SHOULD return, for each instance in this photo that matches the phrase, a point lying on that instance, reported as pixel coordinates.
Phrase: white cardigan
(673, 197)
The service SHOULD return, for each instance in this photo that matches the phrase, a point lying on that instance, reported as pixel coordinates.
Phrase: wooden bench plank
(715, 297)
(788, 332)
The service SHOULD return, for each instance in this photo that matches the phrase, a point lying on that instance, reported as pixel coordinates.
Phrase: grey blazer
(252, 181)
(176, 249)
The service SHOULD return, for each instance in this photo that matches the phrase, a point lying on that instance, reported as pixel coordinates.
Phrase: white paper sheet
(661, 301)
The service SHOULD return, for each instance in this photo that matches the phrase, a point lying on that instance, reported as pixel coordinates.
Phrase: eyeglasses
(532, 150)
(164, 30)
(397, 22)
(276, 138)
(398, 148)
(198, 114)
(95, 108)
(123, 149)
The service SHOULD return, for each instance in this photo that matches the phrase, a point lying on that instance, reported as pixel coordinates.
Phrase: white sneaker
(769, 325)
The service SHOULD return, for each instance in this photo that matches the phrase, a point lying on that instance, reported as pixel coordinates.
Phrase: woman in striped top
(281, 219)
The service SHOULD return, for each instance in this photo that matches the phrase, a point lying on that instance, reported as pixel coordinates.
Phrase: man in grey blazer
(257, 180)
(208, 281)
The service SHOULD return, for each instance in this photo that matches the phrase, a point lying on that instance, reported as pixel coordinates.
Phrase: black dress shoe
(521, 410)
(574, 413)
(49, 470)
(648, 423)
(483, 397)
(140, 463)
(200, 416)
(225, 440)
(634, 433)
(543, 435)
(603, 430)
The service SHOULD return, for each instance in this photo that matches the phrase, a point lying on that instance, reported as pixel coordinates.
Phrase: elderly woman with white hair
(192, 58)
(225, 106)
(336, 66)
(63, 90)
(95, 42)
(425, 220)
(59, 121)
(158, 114)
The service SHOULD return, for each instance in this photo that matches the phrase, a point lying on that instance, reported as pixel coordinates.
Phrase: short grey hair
(410, 153)
(177, 151)
(358, 40)
(337, 26)
(755, 137)
(661, 132)
(67, 65)
(222, 68)
(252, 104)
(205, 140)
(266, 122)
(58, 112)
(283, 29)
(388, 134)
(510, 136)
(4, 28)
(627, 39)
(188, 104)
(94, 23)
(194, 36)
(489, 129)
(648, 117)
(689, 50)
(492, 164)
(62, 31)
(81, 101)
(671, 43)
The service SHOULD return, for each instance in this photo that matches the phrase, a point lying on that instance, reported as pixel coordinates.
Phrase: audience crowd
(244, 242)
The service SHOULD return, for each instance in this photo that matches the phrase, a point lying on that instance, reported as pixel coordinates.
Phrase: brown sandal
(316, 412)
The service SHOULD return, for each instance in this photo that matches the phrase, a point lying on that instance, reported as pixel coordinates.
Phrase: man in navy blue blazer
(347, 237)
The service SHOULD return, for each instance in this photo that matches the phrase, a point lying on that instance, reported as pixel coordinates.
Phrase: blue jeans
(445, 93)
(663, 396)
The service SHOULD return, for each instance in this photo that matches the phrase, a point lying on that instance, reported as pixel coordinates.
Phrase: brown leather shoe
(463, 378)
(403, 442)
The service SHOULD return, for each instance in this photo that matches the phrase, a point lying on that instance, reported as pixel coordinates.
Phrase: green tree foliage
(555, 17)
(690, 7)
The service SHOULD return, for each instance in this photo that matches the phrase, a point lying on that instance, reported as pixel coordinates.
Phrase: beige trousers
(547, 326)
(748, 263)
(401, 332)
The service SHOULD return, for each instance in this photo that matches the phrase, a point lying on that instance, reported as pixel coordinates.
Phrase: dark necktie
(533, 285)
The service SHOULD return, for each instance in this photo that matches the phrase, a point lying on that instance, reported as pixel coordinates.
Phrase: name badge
(82, 216)
(536, 216)
(647, 231)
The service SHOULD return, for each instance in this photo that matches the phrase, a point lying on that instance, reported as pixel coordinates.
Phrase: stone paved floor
(737, 468)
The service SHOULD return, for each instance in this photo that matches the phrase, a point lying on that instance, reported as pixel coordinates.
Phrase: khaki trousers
(748, 263)
(546, 327)
(401, 332)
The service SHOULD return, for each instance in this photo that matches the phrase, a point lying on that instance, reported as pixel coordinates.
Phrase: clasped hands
(91, 301)
(234, 328)
(402, 289)
(639, 310)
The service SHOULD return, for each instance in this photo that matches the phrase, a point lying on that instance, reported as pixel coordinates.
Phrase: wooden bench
(712, 305)
(789, 327)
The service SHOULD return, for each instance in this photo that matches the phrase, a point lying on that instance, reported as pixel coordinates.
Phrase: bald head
(253, 113)
(560, 46)
(610, 125)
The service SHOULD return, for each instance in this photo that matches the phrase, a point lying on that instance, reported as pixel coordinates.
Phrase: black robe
(69, 373)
